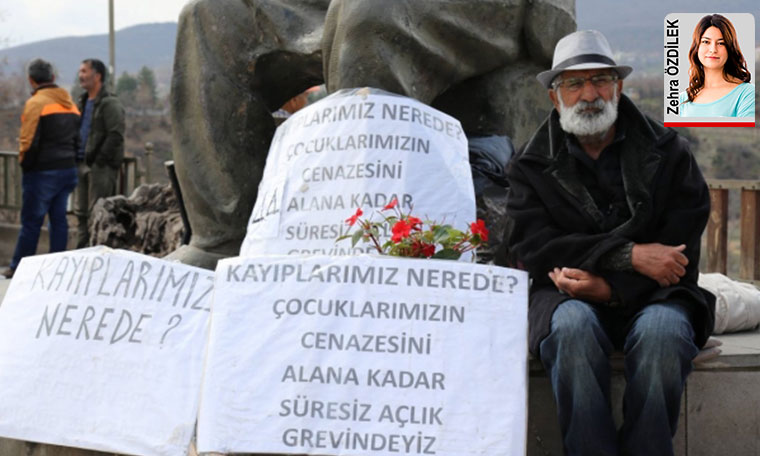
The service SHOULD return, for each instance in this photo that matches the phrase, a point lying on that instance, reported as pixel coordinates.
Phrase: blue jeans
(658, 346)
(44, 192)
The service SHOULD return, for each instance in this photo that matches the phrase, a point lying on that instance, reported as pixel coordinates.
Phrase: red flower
(390, 205)
(401, 231)
(414, 222)
(351, 220)
(421, 249)
(479, 228)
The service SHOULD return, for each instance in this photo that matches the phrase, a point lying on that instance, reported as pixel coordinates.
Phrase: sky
(26, 21)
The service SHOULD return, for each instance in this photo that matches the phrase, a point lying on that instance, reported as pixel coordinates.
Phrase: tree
(14, 86)
(5, 86)
(126, 88)
(146, 87)
(127, 84)
(735, 159)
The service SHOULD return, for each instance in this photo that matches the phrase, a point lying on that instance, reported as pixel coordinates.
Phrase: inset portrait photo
(709, 66)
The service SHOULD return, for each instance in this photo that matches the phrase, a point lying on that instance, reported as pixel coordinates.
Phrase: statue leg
(474, 60)
(417, 48)
(235, 62)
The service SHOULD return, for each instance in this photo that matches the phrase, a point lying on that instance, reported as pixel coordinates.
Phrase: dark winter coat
(105, 141)
(555, 222)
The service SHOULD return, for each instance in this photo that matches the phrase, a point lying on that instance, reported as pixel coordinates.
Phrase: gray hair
(40, 71)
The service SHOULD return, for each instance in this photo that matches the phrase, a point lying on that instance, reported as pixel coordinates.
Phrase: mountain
(634, 29)
(150, 45)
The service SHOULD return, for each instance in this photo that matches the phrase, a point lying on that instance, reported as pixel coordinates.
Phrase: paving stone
(723, 413)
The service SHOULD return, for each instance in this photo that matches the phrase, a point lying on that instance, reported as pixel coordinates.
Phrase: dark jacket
(105, 141)
(49, 134)
(555, 222)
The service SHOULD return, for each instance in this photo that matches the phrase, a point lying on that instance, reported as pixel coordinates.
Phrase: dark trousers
(95, 182)
(44, 192)
(658, 347)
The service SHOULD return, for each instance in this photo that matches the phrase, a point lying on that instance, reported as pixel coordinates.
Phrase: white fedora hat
(582, 50)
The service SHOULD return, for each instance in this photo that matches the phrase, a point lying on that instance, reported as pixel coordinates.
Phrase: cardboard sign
(103, 349)
(358, 149)
(365, 355)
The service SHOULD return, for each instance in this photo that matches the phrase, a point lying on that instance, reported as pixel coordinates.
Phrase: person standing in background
(102, 143)
(48, 141)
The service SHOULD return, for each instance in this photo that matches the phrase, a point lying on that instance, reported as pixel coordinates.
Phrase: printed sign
(103, 349)
(365, 355)
(358, 148)
(709, 66)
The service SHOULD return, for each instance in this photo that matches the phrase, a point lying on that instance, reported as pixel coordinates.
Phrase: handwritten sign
(103, 349)
(365, 355)
(358, 149)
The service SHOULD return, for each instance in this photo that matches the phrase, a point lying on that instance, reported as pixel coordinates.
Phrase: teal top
(740, 102)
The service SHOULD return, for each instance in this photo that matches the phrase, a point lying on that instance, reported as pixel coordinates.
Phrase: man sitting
(607, 208)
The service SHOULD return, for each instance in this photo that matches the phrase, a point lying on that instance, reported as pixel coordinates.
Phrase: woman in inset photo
(718, 76)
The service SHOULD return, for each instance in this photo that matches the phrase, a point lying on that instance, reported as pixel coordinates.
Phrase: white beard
(574, 120)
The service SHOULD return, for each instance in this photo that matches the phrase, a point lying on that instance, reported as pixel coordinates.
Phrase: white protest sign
(103, 349)
(365, 355)
(358, 148)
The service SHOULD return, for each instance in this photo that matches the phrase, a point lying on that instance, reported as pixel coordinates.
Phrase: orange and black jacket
(49, 134)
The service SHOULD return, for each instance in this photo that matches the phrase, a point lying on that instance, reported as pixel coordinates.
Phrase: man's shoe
(8, 273)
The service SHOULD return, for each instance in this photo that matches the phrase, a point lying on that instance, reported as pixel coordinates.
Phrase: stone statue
(238, 60)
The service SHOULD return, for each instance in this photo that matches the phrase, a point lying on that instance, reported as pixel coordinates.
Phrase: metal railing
(128, 179)
(11, 185)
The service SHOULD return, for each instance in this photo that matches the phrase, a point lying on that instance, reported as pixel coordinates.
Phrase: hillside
(633, 28)
(150, 45)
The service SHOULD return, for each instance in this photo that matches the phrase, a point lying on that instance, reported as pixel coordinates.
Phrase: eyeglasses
(600, 81)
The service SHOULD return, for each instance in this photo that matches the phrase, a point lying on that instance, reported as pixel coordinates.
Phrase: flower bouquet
(413, 237)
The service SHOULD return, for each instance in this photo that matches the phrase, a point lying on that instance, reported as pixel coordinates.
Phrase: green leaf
(447, 254)
(345, 236)
(455, 236)
(441, 233)
(355, 238)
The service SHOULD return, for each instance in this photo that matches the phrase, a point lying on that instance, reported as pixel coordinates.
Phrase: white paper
(465, 374)
(103, 349)
(358, 149)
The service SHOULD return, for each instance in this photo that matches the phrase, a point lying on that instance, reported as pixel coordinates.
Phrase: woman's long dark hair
(735, 66)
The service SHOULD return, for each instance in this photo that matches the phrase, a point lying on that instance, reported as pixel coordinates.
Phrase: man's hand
(578, 283)
(663, 263)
